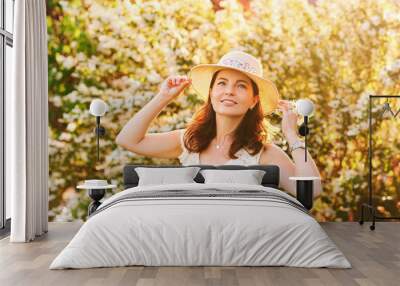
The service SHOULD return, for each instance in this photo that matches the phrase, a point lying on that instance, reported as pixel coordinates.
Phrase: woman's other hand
(289, 120)
(173, 86)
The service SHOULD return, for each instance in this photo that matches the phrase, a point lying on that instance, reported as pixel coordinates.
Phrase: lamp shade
(98, 107)
(304, 107)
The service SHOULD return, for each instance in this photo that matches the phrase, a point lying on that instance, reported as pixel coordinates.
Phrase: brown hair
(250, 134)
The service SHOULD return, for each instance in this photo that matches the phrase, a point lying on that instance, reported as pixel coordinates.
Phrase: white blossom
(154, 77)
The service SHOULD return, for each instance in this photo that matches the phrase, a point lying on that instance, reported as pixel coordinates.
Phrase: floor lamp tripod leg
(361, 221)
(372, 227)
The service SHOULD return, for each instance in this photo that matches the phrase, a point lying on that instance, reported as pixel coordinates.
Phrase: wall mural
(333, 53)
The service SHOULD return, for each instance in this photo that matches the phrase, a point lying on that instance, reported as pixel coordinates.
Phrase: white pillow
(163, 176)
(249, 177)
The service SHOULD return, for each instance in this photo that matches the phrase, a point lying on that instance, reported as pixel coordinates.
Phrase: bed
(201, 223)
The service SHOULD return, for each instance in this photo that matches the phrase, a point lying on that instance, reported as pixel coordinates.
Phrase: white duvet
(200, 231)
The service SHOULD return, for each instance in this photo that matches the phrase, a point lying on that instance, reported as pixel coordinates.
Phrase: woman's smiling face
(232, 93)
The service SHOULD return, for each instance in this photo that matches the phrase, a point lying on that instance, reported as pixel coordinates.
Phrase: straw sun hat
(201, 76)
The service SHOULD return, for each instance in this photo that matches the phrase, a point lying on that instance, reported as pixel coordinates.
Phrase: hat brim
(201, 76)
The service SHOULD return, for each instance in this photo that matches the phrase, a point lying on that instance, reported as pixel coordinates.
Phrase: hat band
(240, 65)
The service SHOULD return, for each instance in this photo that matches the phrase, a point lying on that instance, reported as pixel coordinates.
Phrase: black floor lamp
(98, 108)
(369, 206)
(97, 188)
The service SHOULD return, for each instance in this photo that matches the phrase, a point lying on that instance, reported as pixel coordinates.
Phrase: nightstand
(304, 190)
(96, 191)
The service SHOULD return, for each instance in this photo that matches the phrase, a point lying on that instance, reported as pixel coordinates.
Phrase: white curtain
(27, 122)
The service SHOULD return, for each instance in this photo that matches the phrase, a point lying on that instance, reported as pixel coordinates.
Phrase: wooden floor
(374, 255)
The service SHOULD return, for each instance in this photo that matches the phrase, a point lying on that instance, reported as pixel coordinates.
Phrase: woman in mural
(228, 128)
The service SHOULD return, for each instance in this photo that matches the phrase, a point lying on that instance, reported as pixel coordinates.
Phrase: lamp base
(96, 195)
(372, 212)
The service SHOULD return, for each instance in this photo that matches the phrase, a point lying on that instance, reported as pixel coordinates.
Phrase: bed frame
(304, 188)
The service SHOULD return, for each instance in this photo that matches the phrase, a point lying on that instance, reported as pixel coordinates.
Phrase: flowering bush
(334, 52)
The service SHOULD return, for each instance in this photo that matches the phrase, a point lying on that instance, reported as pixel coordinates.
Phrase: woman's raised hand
(173, 86)
(289, 119)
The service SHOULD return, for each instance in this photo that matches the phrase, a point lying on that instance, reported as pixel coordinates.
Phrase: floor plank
(374, 255)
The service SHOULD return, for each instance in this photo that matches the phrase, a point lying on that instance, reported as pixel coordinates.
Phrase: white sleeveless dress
(244, 158)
